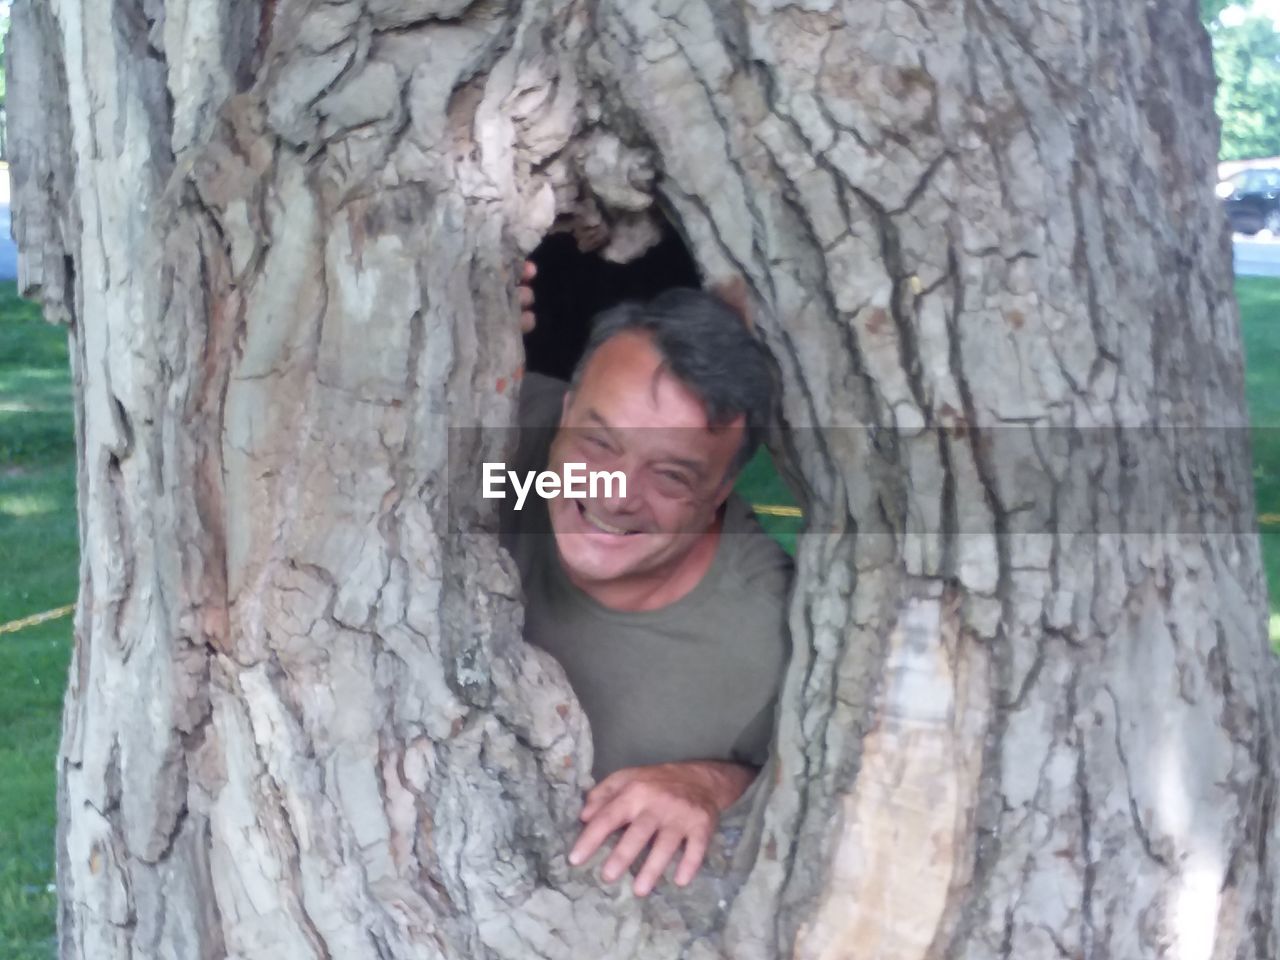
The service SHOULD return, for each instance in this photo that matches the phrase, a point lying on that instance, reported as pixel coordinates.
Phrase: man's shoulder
(755, 561)
(541, 399)
(752, 592)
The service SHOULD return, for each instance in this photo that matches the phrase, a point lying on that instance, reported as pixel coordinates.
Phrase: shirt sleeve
(538, 415)
(763, 570)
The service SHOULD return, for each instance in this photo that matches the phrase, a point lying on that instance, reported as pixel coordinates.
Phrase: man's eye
(597, 442)
(671, 477)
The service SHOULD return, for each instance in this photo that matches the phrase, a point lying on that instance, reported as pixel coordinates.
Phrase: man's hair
(706, 345)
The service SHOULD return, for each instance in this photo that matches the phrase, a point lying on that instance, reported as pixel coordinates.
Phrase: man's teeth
(601, 525)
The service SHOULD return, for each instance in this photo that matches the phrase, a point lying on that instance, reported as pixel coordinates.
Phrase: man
(665, 606)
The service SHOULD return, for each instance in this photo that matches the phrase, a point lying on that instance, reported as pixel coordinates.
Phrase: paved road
(1257, 256)
(8, 252)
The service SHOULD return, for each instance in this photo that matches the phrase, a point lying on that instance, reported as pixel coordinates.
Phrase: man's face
(627, 413)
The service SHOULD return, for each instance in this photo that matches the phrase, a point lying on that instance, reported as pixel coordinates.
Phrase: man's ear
(725, 488)
(564, 406)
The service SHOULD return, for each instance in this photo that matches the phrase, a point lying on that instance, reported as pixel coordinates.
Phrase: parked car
(1251, 200)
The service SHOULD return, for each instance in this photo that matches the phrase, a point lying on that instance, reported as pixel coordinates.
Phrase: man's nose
(615, 502)
(619, 498)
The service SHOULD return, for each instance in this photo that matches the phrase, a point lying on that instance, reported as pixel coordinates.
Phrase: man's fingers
(628, 848)
(664, 848)
(602, 824)
(606, 790)
(695, 848)
(524, 295)
(666, 804)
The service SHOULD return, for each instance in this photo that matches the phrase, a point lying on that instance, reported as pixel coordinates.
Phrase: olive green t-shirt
(695, 680)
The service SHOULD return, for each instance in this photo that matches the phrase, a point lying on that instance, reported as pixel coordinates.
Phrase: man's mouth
(602, 525)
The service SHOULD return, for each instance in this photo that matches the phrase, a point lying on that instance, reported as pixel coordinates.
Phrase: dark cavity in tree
(572, 287)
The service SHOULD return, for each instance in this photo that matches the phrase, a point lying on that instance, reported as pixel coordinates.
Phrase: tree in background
(4, 60)
(1247, 58)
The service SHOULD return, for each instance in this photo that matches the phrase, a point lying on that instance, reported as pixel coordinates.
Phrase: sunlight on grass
(27, 504)
(54, 377)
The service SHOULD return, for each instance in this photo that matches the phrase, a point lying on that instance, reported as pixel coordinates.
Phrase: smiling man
(665, 606)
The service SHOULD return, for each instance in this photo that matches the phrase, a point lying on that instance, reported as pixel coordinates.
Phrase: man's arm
(668, 805)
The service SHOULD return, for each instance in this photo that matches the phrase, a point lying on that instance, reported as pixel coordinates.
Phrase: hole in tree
(572, 287)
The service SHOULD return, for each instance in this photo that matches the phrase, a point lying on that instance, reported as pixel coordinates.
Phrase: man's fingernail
(575, 858)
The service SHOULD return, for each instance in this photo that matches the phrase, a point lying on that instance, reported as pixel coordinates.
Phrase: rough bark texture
(1021, 719)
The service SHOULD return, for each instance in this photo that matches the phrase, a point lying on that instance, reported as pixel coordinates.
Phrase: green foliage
(1211, 9)
(1247, 59)
(4, 45)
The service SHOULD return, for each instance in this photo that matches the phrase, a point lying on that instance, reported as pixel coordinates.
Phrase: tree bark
(1031, 711)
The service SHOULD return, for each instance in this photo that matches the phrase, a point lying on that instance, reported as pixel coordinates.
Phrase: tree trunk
(1031, 711)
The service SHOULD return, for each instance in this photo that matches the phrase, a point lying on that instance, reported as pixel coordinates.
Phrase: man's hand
(524, 293)
(668, 804)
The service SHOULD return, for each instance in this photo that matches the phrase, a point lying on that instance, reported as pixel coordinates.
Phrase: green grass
(38, 571)
(760, 484)
(1260, 317)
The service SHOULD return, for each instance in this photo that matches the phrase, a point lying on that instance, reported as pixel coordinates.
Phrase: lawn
(1260, 316)
(38, 559)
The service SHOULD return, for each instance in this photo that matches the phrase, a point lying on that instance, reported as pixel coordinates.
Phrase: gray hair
(706, 345)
